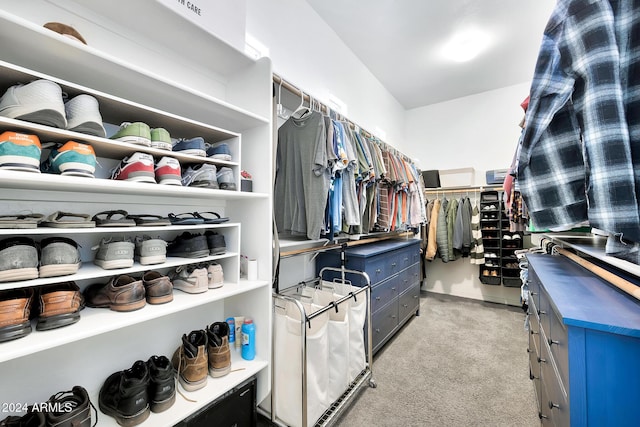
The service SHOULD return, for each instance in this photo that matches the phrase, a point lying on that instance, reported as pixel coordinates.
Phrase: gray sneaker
(200, 175)
(191, 279)
(59, 256)
(150, 251)
(225, 179)
(114, 254)
(18, 259)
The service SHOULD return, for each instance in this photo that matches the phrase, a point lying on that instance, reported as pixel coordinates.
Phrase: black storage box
(431, 179)
(235, 408)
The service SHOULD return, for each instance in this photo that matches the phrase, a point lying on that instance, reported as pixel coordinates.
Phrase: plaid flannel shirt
(575, 161)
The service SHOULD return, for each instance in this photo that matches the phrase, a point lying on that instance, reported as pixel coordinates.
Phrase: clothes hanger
(280, 109)
(302, 110)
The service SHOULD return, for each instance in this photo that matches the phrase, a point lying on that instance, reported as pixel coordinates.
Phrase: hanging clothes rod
(462, 190)
(286, 254)
(324, 108)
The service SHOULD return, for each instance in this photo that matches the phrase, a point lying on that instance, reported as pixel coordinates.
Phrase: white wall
(308, 53)
(479, 131)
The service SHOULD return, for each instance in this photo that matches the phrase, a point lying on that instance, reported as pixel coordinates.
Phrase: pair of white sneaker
(41, 101)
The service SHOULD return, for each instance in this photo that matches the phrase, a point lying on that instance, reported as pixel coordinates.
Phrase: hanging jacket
(466, 227)
(432, 246)
(477, 250)
(452, 210)
(441, 233)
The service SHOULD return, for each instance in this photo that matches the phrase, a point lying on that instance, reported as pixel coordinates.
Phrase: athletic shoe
(19, 259)
(167, 171)
(219, 150)
(70, 158)
(194, 146)
(59, 256)
(150, 251)
(225, 179)
(191, 279)
(137, 167)
(215, 274)
(114, 254)
(200, 175)
(20, 151)
(83, 115)
(216, 242)
(38, 102)
(135, 133)
(161, 139)
(189, 245)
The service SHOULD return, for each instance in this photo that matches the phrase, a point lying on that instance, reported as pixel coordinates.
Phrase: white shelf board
(96, 321)
(88, 271)
(111, 230)
(36, 47)
(241, 370)
(49, 182)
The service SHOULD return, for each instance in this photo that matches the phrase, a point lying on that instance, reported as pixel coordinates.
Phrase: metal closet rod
(293, 89)
(462, 190)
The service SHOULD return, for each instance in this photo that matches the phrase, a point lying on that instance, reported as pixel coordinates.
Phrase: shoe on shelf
(120, 293)
(150, 251)
(215, 275)
(30, 419)
(494, 273)
(516, 236)
(83, 115)
(506, 237)
(19, 259)
(188, 245)
(191, 279)
(218, 349)
(167, 171)
(162, 384)
(158, 288)
(58, 305)
(38, 102)
(114, 253)
(20, 151)
(135, 133)
(59, 256)
(225, 179)
(71, 158)
(485, 272)
(15, 310)
(219, 150)
(200, 175)
(190, 361)
(138, 167)
(216, 243)
(125, 396)
(193, 146)
(160, 139)
(70, 408)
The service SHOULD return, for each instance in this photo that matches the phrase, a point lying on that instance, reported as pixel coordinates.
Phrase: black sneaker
(30, 419)
(72, 408)
(162, 385)
(189, 245)
(217, 245)
(124, 395)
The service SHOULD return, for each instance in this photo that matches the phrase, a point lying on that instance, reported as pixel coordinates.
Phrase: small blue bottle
(248, 339)
(232, 331)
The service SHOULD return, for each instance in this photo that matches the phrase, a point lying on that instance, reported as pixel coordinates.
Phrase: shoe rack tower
(203, 87)
(497, 240)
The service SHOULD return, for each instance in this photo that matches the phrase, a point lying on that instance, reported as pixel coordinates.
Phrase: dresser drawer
(408, 277)
(544, 311)
(409, 301)
(556, 393)
(382, 293)
(384, 321)
(557, 340)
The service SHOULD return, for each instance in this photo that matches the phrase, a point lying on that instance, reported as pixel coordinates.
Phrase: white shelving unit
(230, 102)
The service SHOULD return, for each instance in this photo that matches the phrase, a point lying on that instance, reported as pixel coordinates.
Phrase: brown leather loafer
(15, 307)
(59, 305)
(121, 293)
(157, 288)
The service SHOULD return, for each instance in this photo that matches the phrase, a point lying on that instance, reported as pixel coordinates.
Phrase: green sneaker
(161, 139)
(135, 133)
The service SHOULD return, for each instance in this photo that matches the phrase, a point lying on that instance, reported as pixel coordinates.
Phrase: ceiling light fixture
(466, 45)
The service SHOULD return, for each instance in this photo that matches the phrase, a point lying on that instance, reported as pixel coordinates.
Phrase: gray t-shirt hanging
(302, 176)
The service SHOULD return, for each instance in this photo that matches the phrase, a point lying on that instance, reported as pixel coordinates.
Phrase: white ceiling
(400, 41)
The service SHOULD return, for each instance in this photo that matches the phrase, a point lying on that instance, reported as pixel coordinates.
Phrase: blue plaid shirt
(582, 133)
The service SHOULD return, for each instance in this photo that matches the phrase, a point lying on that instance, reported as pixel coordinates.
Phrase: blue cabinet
(393, 267)
(584, 346)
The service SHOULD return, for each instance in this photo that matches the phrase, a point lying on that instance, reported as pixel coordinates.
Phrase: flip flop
(68, 220)
(185, 219)
(20, 221)
(149, 220)
(209, 220)
(106, 219)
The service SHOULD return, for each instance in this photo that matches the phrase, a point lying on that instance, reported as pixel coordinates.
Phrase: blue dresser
(584, 346)
(393, 267)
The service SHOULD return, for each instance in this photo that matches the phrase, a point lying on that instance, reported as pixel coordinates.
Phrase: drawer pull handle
(528, 350)
(551, 341)
(405, 305)
(406, 259)
(533, 293)
(405, 280)
(541, 312)
(393, 316)
(542, 416)
(534, 332)
(377, 298)
(378, 271)
(393, 288)
(393, 264)
(378, 330)
(415, 296)
(541, 360)
(553, 405)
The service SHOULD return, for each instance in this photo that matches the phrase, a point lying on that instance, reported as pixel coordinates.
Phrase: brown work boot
(190, 360)
(15, 307)
(59, 305)
(218, 348)
(121, 293)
